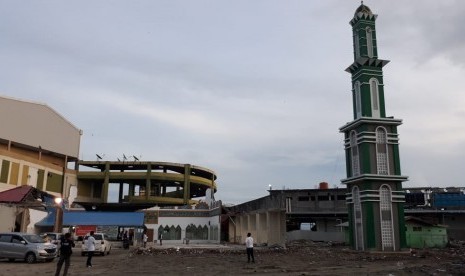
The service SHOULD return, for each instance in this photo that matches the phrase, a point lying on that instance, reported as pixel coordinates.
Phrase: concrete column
(254, 226)
(120, 191)
(243, 230)
(247, 230)
(106, 182)
(262, 229)
(276, 227)
(187, 183)
(148, 182)
(132, 189)
(24, 220)
(64, 186)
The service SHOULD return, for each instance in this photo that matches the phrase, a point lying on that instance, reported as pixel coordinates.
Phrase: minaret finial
(362, 2)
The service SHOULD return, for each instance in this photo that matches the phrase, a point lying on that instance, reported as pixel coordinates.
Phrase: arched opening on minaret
(358, 100)
(354, 153)
(382, 160)
(357, 45)
(369, 36)
(358, 219)
(387, 227)
(374, 98)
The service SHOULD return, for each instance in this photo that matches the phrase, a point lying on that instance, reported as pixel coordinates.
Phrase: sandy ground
(298, 258)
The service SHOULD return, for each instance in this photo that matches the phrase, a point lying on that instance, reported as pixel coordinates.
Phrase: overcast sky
(254, 90)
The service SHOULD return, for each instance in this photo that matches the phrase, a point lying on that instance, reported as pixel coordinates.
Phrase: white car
(102, 245)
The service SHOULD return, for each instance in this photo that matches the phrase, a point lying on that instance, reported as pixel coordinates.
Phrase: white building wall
(7, 217)
(183, 222)
(35, 216)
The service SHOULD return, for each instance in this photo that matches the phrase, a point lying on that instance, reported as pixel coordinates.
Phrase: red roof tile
(15, 195)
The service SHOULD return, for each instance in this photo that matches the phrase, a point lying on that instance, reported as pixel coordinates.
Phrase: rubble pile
(181, 251)
(276, 249)
(318, 257)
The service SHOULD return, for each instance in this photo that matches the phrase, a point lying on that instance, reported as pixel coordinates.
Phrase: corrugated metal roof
(38, 127)
(15, 195)
(421, 221)
(74, 218)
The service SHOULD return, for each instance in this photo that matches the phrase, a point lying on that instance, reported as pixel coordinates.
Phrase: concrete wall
(266, 227)
(315, 236)
(30, 217)
(7, 217)
(455, 226)
(34, 217)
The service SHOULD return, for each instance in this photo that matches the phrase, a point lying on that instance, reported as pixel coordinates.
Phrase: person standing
(249, 248)
(160, 237)
(90, 245)
(145, 238)
(125, 240)
(66, 250)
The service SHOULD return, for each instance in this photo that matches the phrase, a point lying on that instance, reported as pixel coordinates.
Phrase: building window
(374, 97)
(369, 42)
(303, 198)
(358, 100)
(354, 153)
(387, 231)
(324, 198)
(288, 204)
(358, 219)
(381, 151)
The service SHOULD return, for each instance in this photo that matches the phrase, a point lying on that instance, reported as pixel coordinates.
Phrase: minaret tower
(374, 181)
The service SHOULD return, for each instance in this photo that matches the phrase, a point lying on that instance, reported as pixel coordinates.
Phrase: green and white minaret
(374, 181)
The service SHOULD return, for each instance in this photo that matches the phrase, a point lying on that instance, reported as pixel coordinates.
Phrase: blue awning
(74, 218)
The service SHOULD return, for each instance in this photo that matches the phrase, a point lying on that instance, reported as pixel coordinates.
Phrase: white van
(102, 245)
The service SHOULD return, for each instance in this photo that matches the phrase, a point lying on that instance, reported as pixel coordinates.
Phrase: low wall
(315, 236)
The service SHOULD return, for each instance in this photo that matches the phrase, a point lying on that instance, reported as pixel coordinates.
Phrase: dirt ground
(298, 258)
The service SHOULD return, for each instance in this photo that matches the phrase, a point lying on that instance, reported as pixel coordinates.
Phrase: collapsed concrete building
(39, 149)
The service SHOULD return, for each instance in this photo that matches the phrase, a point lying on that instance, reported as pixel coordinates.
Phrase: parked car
(28, 247)
(102, 245)
(53, 238)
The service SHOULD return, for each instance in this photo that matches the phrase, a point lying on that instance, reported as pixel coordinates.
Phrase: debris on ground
(328, 255)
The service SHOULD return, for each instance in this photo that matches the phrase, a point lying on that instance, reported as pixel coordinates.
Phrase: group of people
(66, 250)
(67, 243)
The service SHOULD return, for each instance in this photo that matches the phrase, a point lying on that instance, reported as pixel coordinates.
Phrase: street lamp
(57, 228)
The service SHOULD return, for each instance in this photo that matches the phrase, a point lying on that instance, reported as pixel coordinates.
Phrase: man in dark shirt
(67, 244)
